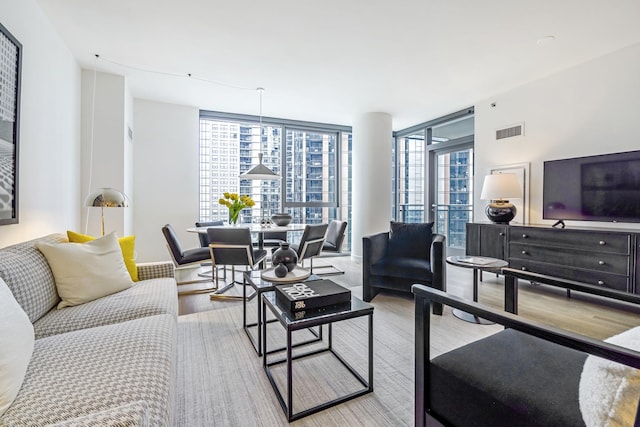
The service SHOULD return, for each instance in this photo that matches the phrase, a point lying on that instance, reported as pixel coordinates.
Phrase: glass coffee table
(253, 278)
(292, 322)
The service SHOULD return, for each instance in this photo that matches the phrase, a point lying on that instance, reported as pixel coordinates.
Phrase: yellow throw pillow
(126, 245)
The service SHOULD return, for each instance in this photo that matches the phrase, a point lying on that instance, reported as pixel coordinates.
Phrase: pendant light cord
(93, 115)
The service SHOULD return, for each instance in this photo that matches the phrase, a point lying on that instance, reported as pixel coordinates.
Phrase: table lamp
(498, 188)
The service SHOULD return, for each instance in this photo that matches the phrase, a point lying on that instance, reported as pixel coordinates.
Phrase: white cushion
(87, 271)
(609, 392)
(16, 342)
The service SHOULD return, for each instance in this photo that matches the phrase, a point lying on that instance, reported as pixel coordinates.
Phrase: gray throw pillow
(410, 240)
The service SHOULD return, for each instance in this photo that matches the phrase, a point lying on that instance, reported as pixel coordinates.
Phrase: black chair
(408, 254)
(184, 258)
(332, 246)
(274, 238)
(311, 243)
(232, 246)
(204, 242)
(204, 237)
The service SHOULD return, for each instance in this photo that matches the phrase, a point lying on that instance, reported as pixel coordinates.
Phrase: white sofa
(111, 361)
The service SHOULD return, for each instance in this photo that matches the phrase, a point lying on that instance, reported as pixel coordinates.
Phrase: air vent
(510, 132)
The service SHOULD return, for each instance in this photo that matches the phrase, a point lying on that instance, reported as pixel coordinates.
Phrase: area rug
(221, 380)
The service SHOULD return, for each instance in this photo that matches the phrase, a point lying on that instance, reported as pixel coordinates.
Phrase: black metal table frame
(287, 406)
(256, 343)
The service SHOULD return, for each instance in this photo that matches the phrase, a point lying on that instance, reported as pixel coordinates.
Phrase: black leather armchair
(410, 253)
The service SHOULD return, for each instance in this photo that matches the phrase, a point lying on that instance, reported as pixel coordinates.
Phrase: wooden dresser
(602, 257)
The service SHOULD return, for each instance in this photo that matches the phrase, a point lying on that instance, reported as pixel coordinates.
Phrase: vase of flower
(285, 255)
(234, 216)
(235, 202)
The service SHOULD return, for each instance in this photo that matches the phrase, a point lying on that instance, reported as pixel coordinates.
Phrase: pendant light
(260, 171)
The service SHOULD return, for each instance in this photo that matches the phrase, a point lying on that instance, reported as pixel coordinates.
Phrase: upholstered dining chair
(231, 247)
(332, 246)
(184, 258)
(204, 242)
(274, 238)
(311, 242)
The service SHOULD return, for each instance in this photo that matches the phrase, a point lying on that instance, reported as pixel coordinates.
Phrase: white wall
(106, 153)
(165, 176)
(589, 109)
(49, 163)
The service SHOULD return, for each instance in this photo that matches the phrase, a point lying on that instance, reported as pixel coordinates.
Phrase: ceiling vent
(510, 132)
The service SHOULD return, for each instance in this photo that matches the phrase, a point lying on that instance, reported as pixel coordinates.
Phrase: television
(594, 188)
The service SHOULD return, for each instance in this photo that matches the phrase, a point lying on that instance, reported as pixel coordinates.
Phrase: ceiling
(332, 60)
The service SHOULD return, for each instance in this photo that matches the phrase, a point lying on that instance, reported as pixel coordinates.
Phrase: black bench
(526, 375)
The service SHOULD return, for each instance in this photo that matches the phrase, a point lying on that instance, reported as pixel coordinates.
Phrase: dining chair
(204, 242)
(332, 246)
(230, 247)
(184, 258)
(311, 242)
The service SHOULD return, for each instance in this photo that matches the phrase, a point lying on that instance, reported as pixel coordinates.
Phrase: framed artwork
(522, 205)
(10, 71)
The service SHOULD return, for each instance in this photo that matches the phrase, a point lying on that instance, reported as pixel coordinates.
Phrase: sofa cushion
(132, 414)
(127, 246)
(509, 378)
(145, 298)
(100, 369)
(16, 342)
(406, 268)
(610, 391)
(86, 271)
(411, 240)
(26, 271)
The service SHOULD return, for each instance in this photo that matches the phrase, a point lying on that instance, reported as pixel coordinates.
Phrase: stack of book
(311, 295)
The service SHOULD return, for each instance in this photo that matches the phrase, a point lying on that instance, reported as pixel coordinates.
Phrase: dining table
(258, 229)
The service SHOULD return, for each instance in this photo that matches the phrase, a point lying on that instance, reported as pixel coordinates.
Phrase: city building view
(314, 185)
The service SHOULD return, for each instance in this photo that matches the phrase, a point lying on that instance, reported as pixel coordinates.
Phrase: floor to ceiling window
(314, 161)
(433, 174)
(411, 180)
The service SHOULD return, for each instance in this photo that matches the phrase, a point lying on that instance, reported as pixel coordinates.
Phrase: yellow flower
(235, 202)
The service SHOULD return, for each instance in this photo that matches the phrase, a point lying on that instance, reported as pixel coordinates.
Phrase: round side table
(476, 263)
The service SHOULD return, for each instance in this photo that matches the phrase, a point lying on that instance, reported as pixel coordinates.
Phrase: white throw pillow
(609, 392)
(87, 271)
(16, 346)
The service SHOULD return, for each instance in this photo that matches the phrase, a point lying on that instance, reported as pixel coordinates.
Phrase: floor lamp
(106, 198)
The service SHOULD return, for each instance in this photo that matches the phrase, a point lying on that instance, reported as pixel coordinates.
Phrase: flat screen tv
(594, 188)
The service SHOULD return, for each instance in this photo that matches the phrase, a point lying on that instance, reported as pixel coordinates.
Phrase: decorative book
(311, 295)
(476, 260)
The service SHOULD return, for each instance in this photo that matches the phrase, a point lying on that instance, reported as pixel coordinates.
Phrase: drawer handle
(602, 243)
(601, 262)
(523, 268)
(500, 234)
(524, 252)
(524, 236)
(600, 282)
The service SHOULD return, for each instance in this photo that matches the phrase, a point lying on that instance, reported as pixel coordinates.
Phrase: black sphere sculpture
(285, 255)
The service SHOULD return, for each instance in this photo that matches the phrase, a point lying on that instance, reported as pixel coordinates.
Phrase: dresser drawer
(589, 260)
(599, 241)
(607, 280)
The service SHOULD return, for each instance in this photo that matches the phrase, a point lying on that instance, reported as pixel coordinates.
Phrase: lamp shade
(501, 186)
(259, 171)
(107, 198)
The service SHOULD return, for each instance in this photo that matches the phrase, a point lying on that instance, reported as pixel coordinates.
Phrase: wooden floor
(582, 313)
